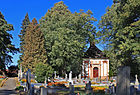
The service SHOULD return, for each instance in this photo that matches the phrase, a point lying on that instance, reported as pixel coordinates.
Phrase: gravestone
(43, 91)
(76, 77)
(71, 88)
(21, 74)
(66, 76)
(18, 74)
(45, 82)
(123, 81)
(54, 74)
(136, 82)
(79, 76)
(28, 82)
(58, 77)
(70, 77)
(89, 90)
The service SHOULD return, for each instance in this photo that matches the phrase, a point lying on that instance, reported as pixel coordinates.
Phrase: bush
(42, 71)
(19, 88)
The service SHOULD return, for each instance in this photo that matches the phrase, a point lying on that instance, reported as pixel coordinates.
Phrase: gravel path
(8, 88)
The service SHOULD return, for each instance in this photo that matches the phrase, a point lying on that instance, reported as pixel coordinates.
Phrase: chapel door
(95, 72)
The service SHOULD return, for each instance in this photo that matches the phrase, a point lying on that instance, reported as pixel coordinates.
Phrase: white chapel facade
(95, 64)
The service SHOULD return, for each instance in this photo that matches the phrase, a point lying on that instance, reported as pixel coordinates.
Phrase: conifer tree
(6, 46)
(24, 26)
(34, 51)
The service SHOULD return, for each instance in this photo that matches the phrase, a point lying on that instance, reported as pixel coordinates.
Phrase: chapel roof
(94, 52)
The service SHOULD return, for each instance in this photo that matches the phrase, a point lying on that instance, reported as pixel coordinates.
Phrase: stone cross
(136, 82)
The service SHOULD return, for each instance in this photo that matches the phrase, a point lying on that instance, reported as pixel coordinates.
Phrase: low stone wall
(2, 83)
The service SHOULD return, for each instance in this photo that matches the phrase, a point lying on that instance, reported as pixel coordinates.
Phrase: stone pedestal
(89, 90)
(71, 89)
(123, 81)
(43, 91)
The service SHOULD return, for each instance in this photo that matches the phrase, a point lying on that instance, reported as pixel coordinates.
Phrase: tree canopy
(120, 31)
(6, 46)
(24, 26)
(66, 35)
(34, 50)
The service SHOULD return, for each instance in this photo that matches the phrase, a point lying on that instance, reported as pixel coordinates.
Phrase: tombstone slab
(123, 81)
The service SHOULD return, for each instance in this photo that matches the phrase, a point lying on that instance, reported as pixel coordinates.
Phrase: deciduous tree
(66, 35)
(121, 32)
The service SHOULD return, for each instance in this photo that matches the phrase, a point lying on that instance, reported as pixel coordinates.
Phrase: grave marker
(123, 81)
(70, 77)
(89, 88)
(71, 88)
(43, 91)
(54, 74)
(66, 76)
(136, 82)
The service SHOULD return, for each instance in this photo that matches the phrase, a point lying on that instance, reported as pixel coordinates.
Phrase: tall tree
(34, 51)
(121, 32)
(6, 46)
(66, 35)
(24, 26)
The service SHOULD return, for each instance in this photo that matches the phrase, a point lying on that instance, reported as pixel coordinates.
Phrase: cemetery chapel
(95, 63)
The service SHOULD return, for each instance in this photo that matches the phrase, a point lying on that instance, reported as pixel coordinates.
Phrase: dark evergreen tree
(6, 46)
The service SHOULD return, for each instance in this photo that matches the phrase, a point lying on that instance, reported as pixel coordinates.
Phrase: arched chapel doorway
(95, 72)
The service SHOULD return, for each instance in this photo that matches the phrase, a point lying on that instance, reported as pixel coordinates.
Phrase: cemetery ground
(63, 86)
(57, 85)
(8, 87)
(78, 85)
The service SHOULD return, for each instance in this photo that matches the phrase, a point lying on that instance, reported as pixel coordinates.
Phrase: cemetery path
(8, 88)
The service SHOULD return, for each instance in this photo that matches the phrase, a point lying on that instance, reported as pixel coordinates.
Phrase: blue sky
(14, 12)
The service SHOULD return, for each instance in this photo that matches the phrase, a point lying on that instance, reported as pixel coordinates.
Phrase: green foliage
(24, 26)
(42, 71)
(66, 35)
(6, 46)
(34, 51)
(121, 33)
(19, 88)
(110, 73)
